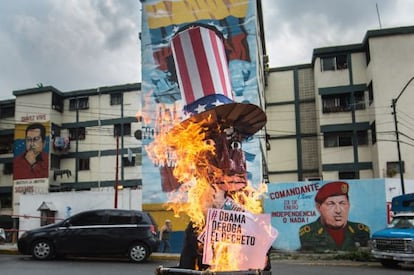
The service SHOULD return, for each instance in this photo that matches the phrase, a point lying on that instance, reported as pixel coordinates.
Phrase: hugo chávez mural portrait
(337, 215)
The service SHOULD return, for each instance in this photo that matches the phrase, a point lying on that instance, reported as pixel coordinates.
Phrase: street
(18, 264)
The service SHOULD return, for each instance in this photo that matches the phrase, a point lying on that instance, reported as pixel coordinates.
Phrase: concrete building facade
(329, 119)
(88, 133)
(333, 118)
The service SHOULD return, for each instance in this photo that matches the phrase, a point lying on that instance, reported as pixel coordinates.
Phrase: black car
(94, 233)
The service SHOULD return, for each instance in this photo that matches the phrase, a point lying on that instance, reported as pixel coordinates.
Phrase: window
(347, 175)
(373, 133)
(91, 218)
(370, 93)
(116, 99)
(336, 139)
(335, 103)
(6, 200)
(341, 62)
(56, 130)
(7, 110)
(54, 162)
(120, 218)
(81, 103)
(77, 133)
(328, 64)
(367, 53)
(362, 137)
(393, 168)
(340, 139)
(83, 164)
(47, 217)
(8, 168)
(342, 102)
(57, 102)
(122, 129)
(6, 144)
(126, 162)
(359, 98)
(334, 63)
(138, 134)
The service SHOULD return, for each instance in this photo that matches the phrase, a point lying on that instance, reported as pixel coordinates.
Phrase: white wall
(393, 187)
(77, 202)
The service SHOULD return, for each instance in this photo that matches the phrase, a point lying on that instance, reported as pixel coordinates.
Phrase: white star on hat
(217, 103)
(200, 108)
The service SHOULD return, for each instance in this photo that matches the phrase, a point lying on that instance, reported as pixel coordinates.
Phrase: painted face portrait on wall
(334, 211)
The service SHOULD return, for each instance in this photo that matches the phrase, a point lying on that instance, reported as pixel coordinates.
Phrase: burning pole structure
(209, 170)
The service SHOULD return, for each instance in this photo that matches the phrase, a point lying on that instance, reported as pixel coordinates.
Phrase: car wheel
(42, 250)
(138, 252)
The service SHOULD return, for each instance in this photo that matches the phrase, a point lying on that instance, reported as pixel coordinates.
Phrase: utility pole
(116, 172)
(397, 134)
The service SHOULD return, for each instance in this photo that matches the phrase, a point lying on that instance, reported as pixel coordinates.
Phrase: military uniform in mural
(332, 230)
(315, 236)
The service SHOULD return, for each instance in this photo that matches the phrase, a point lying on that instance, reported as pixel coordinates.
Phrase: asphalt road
(24, 265)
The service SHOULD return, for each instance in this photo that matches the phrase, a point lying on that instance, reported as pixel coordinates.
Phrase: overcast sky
(82, 44)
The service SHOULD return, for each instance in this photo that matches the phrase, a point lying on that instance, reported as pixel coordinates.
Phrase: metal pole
(116, 171)
(397, 135)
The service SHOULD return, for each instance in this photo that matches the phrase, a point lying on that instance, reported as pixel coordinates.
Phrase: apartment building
(329, 119)
(93, 140)
(334, 118)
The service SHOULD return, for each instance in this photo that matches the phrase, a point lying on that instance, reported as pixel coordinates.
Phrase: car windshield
(402, 222)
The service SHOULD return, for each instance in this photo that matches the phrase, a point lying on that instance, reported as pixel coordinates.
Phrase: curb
(165, 256)
(8, 249)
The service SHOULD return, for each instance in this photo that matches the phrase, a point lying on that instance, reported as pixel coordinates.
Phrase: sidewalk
(8, 248)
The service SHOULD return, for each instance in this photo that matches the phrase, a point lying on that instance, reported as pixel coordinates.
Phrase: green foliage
(360, 255)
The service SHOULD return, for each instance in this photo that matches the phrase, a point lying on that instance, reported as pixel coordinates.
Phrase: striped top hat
(205, 85)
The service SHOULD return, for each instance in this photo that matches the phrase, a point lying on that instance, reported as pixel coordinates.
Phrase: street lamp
(397, 135)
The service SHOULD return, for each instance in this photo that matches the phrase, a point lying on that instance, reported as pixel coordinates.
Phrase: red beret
(335, 188)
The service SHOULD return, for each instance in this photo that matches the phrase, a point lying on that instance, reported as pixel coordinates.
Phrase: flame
(185, 146)
(187, 150)
(142, 114)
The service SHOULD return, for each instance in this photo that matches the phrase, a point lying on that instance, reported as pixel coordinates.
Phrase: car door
(82, 233)
(120, 229)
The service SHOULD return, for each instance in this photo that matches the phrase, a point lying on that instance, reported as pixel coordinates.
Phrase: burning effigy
(203, 165)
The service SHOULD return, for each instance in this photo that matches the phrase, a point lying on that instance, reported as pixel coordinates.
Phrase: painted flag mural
(162, 103)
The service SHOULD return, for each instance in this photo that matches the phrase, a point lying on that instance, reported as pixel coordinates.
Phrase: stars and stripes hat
(204, 80)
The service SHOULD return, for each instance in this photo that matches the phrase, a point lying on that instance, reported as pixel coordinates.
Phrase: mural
(31, 151)
(326, 215)
(31, 160)
(162, 105)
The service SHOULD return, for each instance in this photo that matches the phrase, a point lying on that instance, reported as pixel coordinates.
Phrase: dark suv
(94, 233)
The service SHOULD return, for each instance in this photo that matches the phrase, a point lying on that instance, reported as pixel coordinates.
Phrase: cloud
(69, 44)
(82, 44)
(294, 28)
